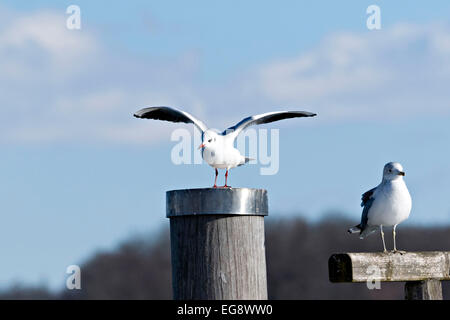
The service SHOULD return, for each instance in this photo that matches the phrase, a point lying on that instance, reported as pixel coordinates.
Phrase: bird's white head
(393, 171)
(209, 139)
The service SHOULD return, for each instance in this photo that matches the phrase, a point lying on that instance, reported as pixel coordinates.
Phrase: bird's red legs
(215, 181)
(226, 178)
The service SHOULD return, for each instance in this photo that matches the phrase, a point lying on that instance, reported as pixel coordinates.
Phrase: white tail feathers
(354, 229)
(363, 233)
(245, 160)
(368, 230)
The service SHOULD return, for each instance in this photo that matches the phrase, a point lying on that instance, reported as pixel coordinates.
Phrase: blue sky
(80, 174)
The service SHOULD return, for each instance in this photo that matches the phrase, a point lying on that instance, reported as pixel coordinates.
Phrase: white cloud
(60, 85)
(403, 70)
(46, 30)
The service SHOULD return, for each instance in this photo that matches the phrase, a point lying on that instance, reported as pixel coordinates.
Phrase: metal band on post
(217, 243)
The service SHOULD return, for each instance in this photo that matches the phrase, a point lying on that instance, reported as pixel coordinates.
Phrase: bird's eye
(390, 170)
(209, 140)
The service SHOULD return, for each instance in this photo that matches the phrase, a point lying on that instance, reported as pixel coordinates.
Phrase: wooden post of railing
(217, 243)
(422, 271)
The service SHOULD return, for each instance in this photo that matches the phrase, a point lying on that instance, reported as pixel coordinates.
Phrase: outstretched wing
(265, 118)
(170, 114)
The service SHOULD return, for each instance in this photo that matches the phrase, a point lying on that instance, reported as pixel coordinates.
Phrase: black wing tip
(309, 114)
(141, 113)
(303, 113)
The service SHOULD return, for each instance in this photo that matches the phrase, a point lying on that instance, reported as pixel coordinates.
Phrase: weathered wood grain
(217, 257)
(410, 266)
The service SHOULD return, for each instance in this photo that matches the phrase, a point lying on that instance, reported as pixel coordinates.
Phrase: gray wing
(367, 196)
(266, 118)
(170, 114)
(367, 201)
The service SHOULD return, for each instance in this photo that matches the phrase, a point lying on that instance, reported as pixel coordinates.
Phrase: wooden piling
(217, 243)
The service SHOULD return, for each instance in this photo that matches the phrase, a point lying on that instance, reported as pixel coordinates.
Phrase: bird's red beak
(201, 146)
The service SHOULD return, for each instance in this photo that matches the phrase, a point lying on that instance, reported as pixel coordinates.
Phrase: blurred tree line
(297, 264)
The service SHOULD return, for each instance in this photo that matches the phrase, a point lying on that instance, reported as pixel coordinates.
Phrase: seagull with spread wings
(218, 148)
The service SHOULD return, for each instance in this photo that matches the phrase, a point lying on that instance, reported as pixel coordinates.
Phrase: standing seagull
(386, 205)
(218, 148)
